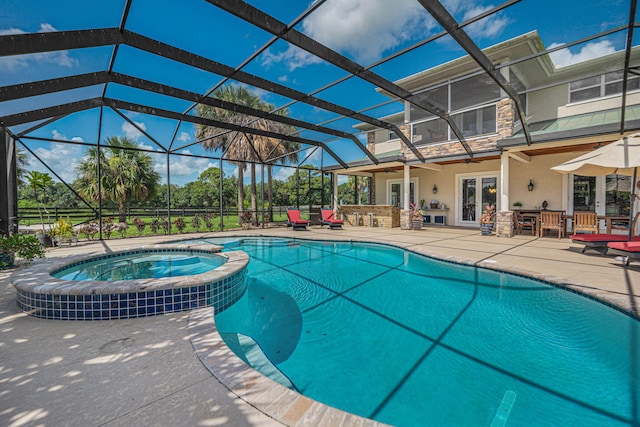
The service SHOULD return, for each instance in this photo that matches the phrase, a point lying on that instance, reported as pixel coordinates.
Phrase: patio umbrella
(620, 157)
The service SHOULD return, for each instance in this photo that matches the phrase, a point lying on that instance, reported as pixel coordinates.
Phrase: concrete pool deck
(151, 371)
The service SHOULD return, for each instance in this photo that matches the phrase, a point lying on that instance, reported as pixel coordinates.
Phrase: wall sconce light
(530, 186)
(435, 189)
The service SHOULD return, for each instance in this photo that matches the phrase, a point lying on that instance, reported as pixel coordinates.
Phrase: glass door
(468, 202)
(395, 192)
(605, 195)
(475, 194)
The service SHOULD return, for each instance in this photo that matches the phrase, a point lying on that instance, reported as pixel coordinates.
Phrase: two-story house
(569, 110)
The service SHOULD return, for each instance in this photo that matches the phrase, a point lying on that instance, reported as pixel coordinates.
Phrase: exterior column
(407, 186)
(503, 200)
(405, 214)
(334, 199)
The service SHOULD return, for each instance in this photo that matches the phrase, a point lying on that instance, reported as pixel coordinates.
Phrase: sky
(364, 31)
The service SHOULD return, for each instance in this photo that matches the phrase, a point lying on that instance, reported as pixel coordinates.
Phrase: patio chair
(295, 220)
(523, 223)
(585, 221)
(599, 242)
(327, 218)
(551, 220)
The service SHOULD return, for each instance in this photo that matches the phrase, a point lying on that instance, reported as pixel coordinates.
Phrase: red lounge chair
(329, 219)
(599, 242)
(295, 221)
(629, 250)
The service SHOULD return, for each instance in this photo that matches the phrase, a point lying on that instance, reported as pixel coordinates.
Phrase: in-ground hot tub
(125, 292)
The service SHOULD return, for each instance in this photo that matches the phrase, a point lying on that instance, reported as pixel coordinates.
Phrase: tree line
(127, 177)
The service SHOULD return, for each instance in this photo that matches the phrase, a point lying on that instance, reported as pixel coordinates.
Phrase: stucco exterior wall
(597, 105)
(545, 104)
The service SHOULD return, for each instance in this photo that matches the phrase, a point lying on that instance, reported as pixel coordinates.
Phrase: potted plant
(63, 232)
(517, 205)
(415, 216)
(25, 246)
(422, 204)
(487, 219)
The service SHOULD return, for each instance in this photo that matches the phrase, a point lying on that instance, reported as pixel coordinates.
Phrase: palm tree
(242, 147)
(126, 174)
(38, 182)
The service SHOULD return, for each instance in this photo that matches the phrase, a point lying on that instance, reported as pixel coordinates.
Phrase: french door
(605, 195)
(475, 193)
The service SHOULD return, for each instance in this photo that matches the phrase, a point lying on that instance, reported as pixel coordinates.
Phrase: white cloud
(62, 158)
(184, 137)
(17, 62)
(147, 147)
(130, 130)
(60, 137)
(363, 29)
(283, 173)
(488, 27)
(366, 29)
(315, 158)
(183, 165)
(293, 56)
(565, 57)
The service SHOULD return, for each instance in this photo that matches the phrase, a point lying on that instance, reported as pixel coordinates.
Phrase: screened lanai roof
(75, 72)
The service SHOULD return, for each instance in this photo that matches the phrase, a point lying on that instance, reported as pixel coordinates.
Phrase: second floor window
(479, 121)
(600, 86)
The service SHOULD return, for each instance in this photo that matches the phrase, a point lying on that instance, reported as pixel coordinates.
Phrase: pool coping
(269, 397)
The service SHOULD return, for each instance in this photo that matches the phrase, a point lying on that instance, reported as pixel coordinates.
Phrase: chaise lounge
(329, 219)
(600, 242)
(629, 250)
(295, 220)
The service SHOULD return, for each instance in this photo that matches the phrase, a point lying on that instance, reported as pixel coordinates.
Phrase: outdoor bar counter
(386, 216)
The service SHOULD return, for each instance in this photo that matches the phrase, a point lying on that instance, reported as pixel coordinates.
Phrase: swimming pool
(408, 340)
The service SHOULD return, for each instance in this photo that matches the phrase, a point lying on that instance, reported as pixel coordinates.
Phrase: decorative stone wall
(383, 215)
(504, 224)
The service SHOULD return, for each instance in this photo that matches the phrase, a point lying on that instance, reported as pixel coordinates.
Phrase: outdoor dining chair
(551, 220)
(585, 221)
(523, 223)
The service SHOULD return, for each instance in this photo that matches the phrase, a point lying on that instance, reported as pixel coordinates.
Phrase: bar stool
(372, 216)
(357, 214)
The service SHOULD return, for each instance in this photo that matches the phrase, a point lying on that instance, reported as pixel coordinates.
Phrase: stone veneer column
(371, 142)
(406, 131)
(505, 118)
(504, 224)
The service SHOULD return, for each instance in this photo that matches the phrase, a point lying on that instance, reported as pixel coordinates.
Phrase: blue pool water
(143, 265)
(411, 341)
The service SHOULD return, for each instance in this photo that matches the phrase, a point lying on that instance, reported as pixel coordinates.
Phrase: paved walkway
(146, 371)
